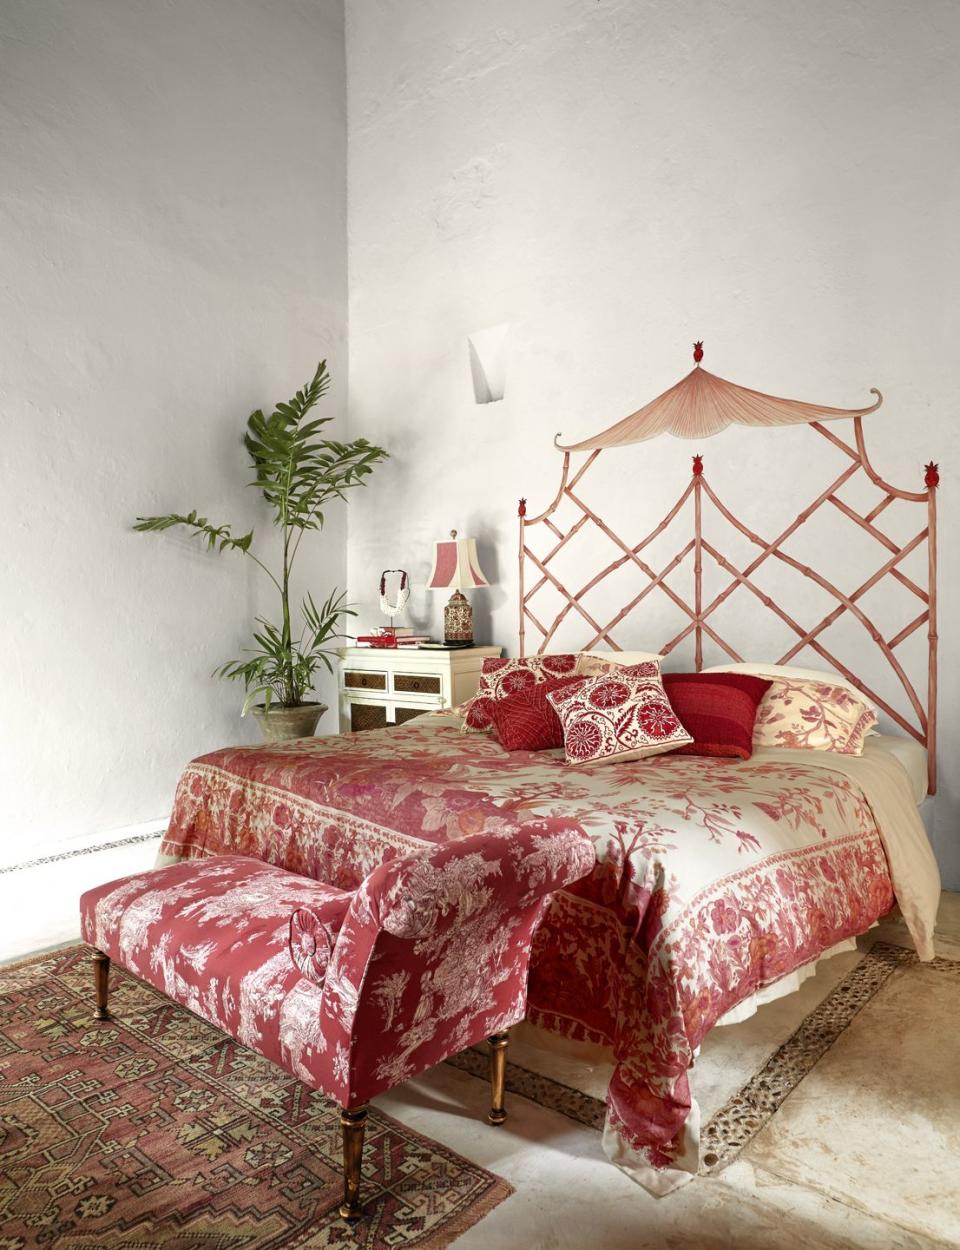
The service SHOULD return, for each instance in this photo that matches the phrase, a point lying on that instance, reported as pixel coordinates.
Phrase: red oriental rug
(155, 1131)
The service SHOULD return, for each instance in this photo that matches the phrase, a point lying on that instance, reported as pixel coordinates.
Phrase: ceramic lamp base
(458, 619)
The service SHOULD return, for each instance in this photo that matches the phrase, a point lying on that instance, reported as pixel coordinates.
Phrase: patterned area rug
(157, 1132)
(739, 1120)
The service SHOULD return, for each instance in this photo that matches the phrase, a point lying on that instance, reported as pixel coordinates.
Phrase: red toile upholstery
(351, 992)
(215, 937)
(440, 946)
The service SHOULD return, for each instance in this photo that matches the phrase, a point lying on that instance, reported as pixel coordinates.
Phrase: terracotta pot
(277, 723)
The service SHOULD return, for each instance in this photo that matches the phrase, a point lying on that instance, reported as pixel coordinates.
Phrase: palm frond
(298, 472)
(217, 537)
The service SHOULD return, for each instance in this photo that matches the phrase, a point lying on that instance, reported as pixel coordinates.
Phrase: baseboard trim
(106, 841)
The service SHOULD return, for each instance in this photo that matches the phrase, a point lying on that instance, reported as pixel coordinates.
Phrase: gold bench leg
(498, 1074)
(353, 1123)
(101, 977)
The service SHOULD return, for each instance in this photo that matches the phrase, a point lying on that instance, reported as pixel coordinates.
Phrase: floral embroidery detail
(608, 694)
(583, 740)
(517, 679)
(657, 719)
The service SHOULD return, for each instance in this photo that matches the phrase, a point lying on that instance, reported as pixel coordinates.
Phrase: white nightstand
(381, 686)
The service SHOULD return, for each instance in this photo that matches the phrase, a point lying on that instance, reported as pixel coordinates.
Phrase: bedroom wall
(172, 231)
(615, 179)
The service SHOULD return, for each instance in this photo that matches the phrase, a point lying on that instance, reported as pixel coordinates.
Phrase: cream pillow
(789, 673)
(596, 663)
(813, 716)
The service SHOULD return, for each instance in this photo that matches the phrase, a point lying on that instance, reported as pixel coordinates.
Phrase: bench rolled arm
(434, 951)
(415, 896)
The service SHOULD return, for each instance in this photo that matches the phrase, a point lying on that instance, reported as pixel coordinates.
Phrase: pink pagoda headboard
(922, 726)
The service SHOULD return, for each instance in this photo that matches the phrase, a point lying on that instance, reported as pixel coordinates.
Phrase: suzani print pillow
(813, 716)
(498, 678)
(619, 716)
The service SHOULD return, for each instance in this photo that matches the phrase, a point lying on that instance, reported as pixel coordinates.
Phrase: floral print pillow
(595, 663)
(618, 716)
(498, 678)
(813, 716)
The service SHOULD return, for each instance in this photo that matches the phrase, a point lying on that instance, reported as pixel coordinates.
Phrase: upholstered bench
(351, 992)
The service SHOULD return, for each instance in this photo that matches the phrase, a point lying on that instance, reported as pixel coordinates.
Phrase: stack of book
(392, 636)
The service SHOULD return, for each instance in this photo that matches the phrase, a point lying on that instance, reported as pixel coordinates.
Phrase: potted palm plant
(298, 473)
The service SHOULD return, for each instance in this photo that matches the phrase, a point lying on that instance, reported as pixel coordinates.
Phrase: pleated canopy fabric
(701, 404)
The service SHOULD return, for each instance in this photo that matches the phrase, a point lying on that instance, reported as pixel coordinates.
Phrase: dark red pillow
(717, 709)
(498, 678)
(526, 720)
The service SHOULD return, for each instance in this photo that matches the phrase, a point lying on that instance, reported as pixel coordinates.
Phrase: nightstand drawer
(417, 683)
(367, 716)
(359, 680)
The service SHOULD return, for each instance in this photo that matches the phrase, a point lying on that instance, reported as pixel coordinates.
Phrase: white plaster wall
(172, 255)
(618, 178)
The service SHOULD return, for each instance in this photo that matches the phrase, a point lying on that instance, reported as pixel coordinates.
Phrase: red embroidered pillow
(718, 709)
(498, 678)
(617, 717)
(526, 721)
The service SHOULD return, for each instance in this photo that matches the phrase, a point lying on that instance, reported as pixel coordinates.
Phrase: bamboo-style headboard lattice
(923, 728)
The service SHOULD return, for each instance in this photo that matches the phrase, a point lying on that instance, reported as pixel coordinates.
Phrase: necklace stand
(392, 607)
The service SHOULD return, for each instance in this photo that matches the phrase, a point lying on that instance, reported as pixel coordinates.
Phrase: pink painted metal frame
(925, 727)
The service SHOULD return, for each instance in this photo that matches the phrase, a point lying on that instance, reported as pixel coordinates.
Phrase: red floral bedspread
(714, 878)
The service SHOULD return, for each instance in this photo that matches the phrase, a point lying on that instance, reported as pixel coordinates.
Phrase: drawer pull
(415, 683)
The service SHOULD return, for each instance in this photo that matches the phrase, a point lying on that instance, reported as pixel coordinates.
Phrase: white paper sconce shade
(488, 363)
(455, 565)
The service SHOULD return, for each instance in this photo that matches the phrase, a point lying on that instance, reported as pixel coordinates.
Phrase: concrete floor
(862, 1154)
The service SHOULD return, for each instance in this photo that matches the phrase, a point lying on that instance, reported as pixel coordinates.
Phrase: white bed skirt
(786, 985)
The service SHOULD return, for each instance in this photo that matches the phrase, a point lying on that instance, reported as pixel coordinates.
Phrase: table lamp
(456, 568)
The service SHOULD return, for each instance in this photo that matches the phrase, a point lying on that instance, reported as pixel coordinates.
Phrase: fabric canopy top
(701, 404)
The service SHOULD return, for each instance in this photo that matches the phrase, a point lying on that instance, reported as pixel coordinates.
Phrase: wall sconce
(487, 363)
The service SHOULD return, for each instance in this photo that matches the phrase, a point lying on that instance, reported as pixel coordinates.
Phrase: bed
(718, 881)
(715, 879)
